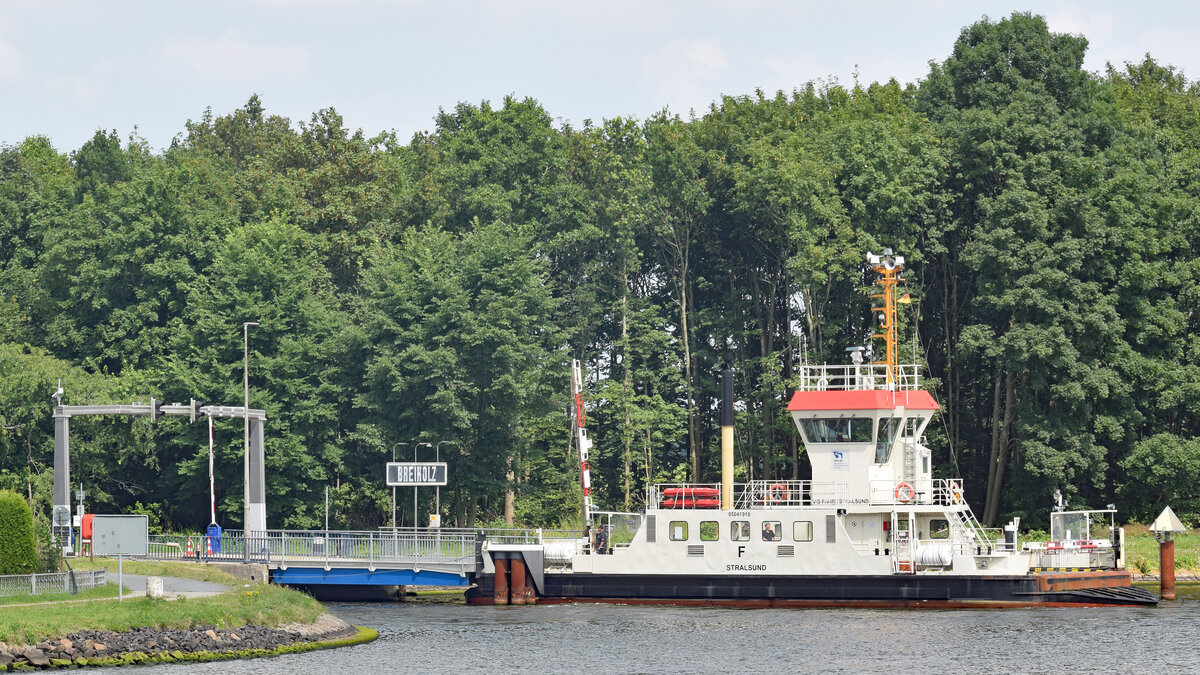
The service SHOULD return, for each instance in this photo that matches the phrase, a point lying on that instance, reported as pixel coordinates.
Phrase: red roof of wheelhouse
(872, 399)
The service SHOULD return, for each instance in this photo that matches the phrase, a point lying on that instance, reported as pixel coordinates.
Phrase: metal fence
(499, 535)
(52, 582)
(862, 377)
(789, 493)
(439, 548)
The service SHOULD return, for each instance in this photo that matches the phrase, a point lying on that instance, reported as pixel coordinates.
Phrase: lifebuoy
(778, 493)
(905, 493)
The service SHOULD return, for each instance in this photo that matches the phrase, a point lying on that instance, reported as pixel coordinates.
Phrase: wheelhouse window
(708, 530)
(1070, 526)
(837, 429)
(739, 530)
(802, 530)
(679, 530)
(771, 530)
(888, 429)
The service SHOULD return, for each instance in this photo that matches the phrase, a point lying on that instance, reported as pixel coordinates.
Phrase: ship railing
(989, 545)
(514, 535)
(890, 492)
(959, 547)
(684, 495)
(527, 536)
(754, 494)
(761, 494)
(1057, 547)
(937, 492)
(1098, 552)
(864, 377)
(948, 492)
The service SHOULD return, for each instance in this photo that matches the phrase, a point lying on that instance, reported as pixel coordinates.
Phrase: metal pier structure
(387, 557)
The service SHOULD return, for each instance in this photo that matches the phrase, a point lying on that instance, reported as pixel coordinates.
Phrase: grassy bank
(363, 635)
(1141, 550)
(106, 591)
(261, 604)
(155, 568)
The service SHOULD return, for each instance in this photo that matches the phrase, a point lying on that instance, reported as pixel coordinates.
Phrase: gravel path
(135, 585)
(172, 586)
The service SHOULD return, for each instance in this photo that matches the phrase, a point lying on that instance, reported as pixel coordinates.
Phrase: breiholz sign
(120, 535)
(416, 474)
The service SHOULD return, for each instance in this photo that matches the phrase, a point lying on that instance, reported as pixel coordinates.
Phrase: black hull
(899, 590)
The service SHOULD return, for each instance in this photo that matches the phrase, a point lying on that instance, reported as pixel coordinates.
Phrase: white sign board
(416, 474)
(840, 461)
(120, 535)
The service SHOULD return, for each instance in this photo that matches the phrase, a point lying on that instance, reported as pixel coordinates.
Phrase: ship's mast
(584, 443)
(727, 434)
(888, 267)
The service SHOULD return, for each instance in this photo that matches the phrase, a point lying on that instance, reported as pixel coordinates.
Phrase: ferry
(873, 528)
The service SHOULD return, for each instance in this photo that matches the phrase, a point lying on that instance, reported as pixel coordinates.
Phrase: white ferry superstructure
(872, 528)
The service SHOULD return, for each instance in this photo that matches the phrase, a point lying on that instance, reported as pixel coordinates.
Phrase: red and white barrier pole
(212, 485)
(585, 443)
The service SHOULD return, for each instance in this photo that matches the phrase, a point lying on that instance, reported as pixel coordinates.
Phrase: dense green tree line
(437, 290)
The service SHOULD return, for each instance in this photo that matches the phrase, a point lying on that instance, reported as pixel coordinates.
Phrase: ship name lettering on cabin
(745, 568)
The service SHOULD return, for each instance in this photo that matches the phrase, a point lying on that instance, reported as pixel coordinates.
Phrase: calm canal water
(453, 638)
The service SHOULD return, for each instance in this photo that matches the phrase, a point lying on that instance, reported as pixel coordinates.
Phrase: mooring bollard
(154, 587)
(1163, 527)
(1166, 567)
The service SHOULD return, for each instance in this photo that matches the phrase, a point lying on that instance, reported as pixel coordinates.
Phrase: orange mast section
(888, 267)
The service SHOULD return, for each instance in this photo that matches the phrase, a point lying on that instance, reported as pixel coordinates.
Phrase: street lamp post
(437, 457)
(394, 487)
(246, 420)
(418, 445)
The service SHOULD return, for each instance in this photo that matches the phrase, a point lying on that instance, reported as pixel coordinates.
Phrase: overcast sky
(70, 68)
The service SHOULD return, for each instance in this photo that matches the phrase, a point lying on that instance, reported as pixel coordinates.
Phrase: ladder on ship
(967, 528)
(903, 546)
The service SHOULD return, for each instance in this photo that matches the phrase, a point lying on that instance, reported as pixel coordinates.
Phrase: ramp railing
(441, 549)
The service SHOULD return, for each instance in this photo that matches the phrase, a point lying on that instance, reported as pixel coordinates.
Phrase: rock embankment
(102, 646)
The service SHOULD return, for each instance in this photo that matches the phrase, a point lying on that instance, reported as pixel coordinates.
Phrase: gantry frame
(255, 507)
